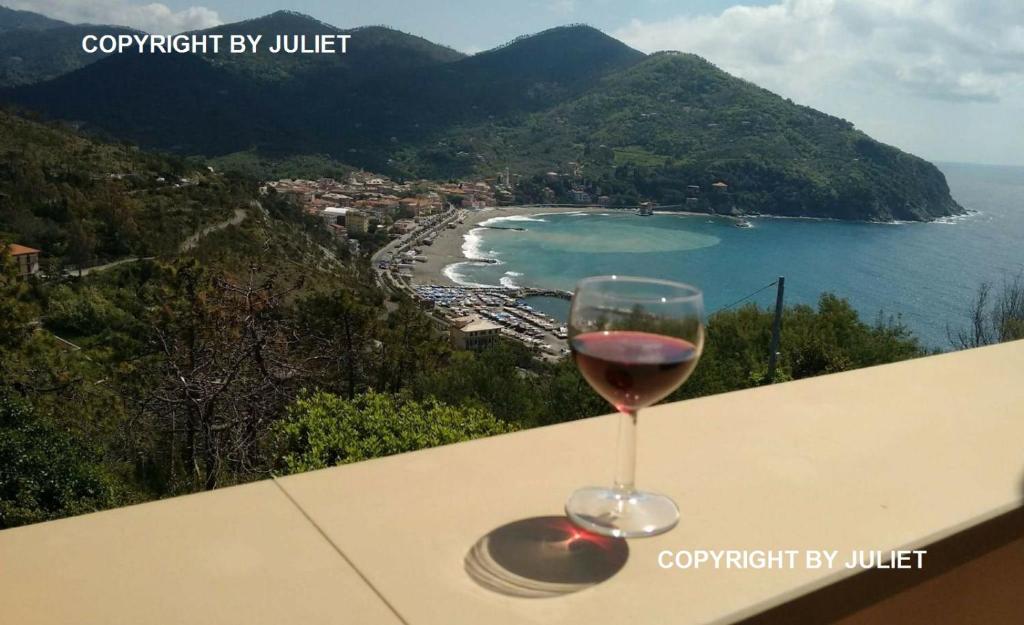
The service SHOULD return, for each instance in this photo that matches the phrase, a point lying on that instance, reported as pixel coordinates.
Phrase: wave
(471, 243)
(509, 279)
(955, 219)
(567, 213)
(452, 273)
(495, 220)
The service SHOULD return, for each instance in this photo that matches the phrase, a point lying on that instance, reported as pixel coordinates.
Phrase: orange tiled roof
(20, 250)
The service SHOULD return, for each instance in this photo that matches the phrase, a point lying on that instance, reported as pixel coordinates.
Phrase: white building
(333, 215)
(473, 333)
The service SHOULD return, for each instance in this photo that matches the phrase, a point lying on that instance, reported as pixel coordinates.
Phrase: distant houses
(25, 258)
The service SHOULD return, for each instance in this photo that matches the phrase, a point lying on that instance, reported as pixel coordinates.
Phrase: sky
(943, 79)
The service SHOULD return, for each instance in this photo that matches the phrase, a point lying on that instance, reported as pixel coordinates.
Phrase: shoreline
(447, 247)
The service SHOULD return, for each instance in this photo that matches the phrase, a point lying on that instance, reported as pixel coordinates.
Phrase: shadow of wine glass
(543, 557)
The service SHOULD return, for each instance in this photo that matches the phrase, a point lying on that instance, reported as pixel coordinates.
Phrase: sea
(925, 275)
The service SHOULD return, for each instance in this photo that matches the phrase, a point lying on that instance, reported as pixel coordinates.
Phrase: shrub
(323, 429)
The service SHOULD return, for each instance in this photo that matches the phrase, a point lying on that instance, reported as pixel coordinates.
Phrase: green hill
(379, 49)
(676, 120)
(35, 48)
(11, 19)
(29, 56)
(84, 202)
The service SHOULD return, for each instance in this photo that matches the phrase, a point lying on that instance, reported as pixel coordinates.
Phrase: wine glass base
(621, 513)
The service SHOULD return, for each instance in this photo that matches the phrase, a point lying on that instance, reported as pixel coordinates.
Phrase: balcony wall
(922, 454)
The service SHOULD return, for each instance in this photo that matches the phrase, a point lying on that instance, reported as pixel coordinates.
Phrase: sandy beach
(447, 247)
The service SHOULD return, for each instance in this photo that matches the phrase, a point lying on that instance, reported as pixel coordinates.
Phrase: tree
(219, 376)
(500, 378)
(323, 430)
(337, 331)
(14, 315)
(409, 347)
(815, 341)
(45, 472)
(81, 245)
(993, 319)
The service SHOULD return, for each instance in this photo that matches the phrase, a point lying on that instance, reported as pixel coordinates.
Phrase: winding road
(191, 242)
(187, 245)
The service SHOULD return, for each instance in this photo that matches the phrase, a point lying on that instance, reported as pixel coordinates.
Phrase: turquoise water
(927, 274)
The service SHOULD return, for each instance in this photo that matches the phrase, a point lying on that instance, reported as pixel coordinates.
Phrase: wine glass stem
(625, 470)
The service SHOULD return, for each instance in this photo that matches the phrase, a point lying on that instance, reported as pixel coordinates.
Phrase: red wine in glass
(634, 340)
(633, 369)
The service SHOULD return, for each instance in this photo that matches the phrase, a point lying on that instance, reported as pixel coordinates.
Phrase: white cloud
(946, 49)
(888, 65)
(562, 7)
(154, 17)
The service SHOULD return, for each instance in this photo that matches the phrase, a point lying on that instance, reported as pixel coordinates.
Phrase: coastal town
(412, 231)
(403, 220)
(365, 203)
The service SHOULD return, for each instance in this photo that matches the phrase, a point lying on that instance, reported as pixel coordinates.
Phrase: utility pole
(776, 329)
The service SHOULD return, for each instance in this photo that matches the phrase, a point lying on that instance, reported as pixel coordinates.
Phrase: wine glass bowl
(635, 340)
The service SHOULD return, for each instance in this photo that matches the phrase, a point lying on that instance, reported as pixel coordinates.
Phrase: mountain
(218, 104)
(633, 126)
(676, 120)
(35, 48)
(29, 56)
(11, 19)
(527, 74)
(374, 49)
(390, 89)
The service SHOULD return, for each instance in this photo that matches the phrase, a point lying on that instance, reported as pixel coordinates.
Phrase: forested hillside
(677, 120)
(85, 202)
(35, 48)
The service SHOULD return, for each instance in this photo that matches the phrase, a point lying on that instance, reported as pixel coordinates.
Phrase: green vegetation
(35, 48)
(675, 120)
(31, 55)
(324, 430)
(45, 472)
(388, 49)
(11, 20)
(83, 202)
(251, 164)
(816, 341)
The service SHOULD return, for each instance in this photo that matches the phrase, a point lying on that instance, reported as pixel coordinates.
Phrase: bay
(924, 274)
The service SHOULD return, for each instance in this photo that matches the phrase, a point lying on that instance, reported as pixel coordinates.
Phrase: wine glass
(635, 340)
